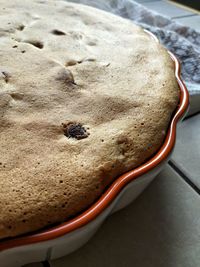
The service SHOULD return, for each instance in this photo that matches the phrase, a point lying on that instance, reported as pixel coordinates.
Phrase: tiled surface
(187, 152)
(160, 229)
(167, 9)
(193, 22)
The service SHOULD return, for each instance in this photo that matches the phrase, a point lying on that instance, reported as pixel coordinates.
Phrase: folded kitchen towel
(183, 41)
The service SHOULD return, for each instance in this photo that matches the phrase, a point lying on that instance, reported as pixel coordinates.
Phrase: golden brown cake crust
(84, 97)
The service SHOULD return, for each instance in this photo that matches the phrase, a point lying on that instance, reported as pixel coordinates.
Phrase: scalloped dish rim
(115, 188)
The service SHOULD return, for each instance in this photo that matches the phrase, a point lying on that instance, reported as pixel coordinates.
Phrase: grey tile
(167, 9)
(187, 151)
(194, 104)
(193, 22)
(160, 229)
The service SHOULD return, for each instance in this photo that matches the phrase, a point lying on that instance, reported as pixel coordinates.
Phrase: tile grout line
(184, 177)
(192, 115)
(46, 264)
(185, 16)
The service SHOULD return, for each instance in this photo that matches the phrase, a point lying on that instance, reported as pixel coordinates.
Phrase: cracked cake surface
(84, 97)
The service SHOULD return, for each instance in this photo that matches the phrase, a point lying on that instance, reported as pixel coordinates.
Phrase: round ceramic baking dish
(63, 239)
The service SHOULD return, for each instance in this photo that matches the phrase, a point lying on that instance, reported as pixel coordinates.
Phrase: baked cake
(84, 97)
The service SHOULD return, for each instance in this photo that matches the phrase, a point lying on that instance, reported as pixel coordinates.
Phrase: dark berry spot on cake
(65, 76)
(35, 43)
(6, 76)
(14, 46)
(42, 2)
(91, 59)
(20, 27)
(17, 96)
(58, 32)
(71, 63)
(23, 51)
(92, 43)
(75, 130)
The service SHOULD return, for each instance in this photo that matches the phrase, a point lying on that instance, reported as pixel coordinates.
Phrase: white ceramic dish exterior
(55, 248)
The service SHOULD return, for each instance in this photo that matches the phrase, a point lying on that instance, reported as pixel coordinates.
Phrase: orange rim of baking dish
(116, 187)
